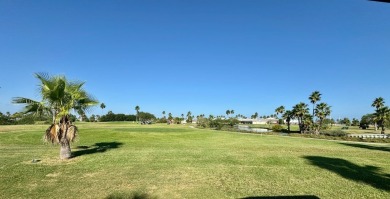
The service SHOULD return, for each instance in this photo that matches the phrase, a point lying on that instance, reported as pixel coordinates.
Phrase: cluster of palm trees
(306, 121)
(59, 97)
(229, 112)
(382, 114)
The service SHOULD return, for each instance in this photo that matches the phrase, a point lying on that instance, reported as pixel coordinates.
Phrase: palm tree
(102, 106)
(382, 115)
(189, 117)
(163, 114)
(288, 115)
(231, 112)
(137, 110)
(59, 98)
(314, 98)
(228, 113)
(321, 112)
(280, 110)
(300, 111)
(378, 103)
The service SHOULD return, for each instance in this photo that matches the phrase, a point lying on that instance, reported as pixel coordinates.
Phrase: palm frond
(52, 134)
(72, 133)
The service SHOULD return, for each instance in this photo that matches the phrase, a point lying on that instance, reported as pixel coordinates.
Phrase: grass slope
(121, 160)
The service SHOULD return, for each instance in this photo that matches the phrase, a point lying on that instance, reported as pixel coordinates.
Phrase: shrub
(202, 122)
(277, 128)
(334, 133)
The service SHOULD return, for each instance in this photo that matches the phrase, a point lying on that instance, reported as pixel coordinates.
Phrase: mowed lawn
(177, 161)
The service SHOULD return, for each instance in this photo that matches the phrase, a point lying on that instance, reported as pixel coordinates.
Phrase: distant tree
(137, 108)
(345, 121)
(314, 98)
(227, 113)
(92, 118)
(189, 117)
(378, 103)
(231, 112)
(355, 122)
(102, 106)
(163, 114)
(366, 120)
(321, 111)
(288, 116)
(170, 117)
(382, 117)
(279, 110)
(300, 112)
(145, 116)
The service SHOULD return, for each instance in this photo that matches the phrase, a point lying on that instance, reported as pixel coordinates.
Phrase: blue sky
(200, 56)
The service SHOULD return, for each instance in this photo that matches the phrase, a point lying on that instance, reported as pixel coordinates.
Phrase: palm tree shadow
(364, 146)
(282, 197)
(366, 174)
(99, 147)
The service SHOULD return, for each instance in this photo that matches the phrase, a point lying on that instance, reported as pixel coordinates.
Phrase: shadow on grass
(132, 195)
(364, 146)
(99, 147)
(365, 174)
(282, 197)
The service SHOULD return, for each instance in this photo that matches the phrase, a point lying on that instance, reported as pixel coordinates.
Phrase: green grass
(351, 129)
(124, 160)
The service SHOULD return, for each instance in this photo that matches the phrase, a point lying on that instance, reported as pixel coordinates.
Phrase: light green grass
(176, 161)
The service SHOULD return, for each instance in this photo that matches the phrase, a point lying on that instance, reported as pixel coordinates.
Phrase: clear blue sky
(204, 56)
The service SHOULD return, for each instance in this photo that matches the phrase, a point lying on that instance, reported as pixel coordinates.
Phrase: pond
(249, 129)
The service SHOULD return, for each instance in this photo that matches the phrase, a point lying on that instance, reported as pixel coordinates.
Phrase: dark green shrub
(277, 128)
(334, 133)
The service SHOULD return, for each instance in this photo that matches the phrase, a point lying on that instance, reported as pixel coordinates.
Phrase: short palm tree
(300, 111)
(382, 115)
(59, 98)
(378, 103)
(322, 110)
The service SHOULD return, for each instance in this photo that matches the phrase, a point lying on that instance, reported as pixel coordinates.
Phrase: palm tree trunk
(288, 126)
(65, 152)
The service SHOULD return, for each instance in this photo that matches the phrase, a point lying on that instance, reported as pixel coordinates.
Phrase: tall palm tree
(378, 103)
(59, 98)
(227, 113)
(314, 98)
(321, 112)
(137, 110)
(189, 117)
(231, 112)
(102, 106)
(163, 114)
(279, 110)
